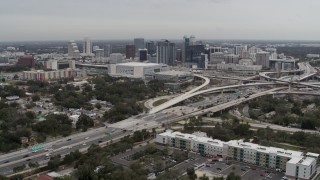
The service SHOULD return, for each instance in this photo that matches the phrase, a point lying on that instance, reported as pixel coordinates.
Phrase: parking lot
(246, 172)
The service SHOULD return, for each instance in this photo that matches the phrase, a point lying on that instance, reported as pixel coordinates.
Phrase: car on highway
(27, 155)
(84, 144)
(6, 162)
(87, 137)
(69, 139)
(28, 159)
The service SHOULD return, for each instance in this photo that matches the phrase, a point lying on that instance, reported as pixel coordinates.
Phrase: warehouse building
(295, 164)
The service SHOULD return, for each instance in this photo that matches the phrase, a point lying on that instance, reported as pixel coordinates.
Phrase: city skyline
(34, 20)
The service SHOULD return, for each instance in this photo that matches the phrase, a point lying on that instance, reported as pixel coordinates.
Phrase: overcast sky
(24, 20)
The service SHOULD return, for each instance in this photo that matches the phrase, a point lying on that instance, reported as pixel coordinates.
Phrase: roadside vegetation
(125, 95)
(96, 163)
(235, 129)
(287, 111)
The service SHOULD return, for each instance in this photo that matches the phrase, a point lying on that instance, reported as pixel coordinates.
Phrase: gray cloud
(121, 19)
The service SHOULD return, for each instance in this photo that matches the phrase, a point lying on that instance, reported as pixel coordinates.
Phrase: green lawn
(160, 101)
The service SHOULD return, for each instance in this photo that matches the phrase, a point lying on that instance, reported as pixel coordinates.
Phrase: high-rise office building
(204, 61)
(143, 54)
(231, 59)
(215, 49)
(262, 58)
(179, 54)
(94, 48)
(99, 53)
(107, 50)
(191, 50)
(130, 51)
(87, 46)
(151, 47)
(115, 58)
(73, 51)
(185, 45)
(139, 44)
(166, 52)
(238, 49)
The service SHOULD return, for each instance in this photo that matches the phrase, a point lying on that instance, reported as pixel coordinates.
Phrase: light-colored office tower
(99, 53)
(166, 52)
(238, 49)
(51, 64)
(107, 50)
(116, 58)
(271, 50)
(215, 49)
(231, 59)
(262, 58)
(87, 46)
(217, 57)
(94, 48)
(138, 44)
(73, 51)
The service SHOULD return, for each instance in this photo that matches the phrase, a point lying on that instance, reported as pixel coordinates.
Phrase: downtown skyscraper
(87, 46)
(166, 52)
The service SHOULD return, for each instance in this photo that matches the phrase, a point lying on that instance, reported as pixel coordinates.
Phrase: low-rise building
(294, 163)
(137, 69)
(42, 75)
(303, 168)
(12, 98)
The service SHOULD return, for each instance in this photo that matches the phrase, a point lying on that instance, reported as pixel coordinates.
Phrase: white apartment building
(302, 168)
(294, 163)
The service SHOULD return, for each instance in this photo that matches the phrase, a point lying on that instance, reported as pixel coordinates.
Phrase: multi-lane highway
(181, 97)
(62, 146)
(153, 119)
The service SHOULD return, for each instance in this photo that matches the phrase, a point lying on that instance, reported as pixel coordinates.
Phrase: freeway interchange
(163, 114)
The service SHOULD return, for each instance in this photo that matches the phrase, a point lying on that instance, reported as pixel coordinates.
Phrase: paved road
(142, 121)
(189, 95)
(61, 146)
(149, 104)
(181, 97)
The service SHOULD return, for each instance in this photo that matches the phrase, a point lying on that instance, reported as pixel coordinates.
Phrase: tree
(204, 177)
(218, 178)
(35, 98)
(15, 77)
(54, 162)
(97, 105)
(191, 173)
(33, 164)
(19, 168)
(30, 115)
(84, 122)
(233, 176)
(3, 80)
